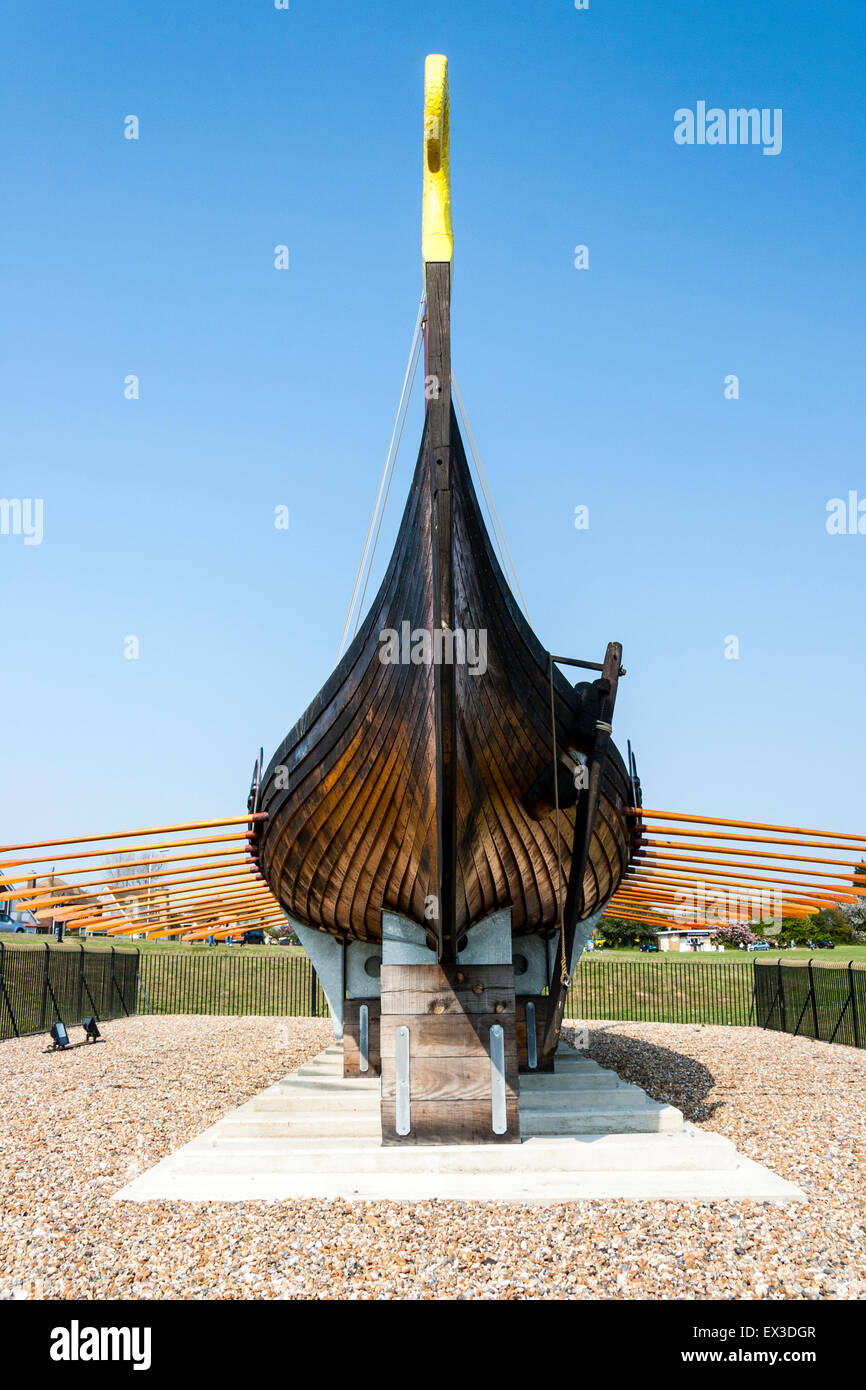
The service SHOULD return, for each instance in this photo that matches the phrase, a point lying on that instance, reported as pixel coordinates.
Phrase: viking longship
(446, 821)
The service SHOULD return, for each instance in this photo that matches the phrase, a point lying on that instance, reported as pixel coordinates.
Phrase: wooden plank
(447, 1078)
(450, 1070)
(431, 979)
(409, 1002)
(447, 1122)
(444, 1035)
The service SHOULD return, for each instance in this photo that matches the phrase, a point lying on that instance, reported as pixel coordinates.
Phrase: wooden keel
(438, 389)
(449, 1055)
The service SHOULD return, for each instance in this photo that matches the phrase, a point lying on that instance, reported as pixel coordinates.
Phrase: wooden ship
(445, 823)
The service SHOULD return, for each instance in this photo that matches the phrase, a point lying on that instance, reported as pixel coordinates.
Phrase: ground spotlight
(59, 1035)
(91, 1029)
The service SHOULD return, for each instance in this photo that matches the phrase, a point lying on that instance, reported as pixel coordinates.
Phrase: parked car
(826, 944)
(8, 923)
(758, 946)
(650, 946)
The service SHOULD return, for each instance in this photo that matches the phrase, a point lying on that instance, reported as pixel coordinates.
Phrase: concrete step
(690, 1151)
(329, 1068)
(313, 1123)
(335, 1084)
(568, 1101)
(749, 1181)
(334, 1091)
(577, 1145)
(570, 1081)
(645, 1118)
(331, 1103)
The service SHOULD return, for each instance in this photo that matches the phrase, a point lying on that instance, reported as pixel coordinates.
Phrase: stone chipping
(77, 1127)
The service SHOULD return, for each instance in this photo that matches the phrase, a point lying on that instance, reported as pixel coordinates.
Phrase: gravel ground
(75, 1128)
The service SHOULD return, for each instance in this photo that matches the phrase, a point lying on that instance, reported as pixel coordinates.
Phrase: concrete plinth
(586, 1134)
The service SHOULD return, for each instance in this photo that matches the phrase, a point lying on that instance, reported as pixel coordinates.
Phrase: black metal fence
(201, 982)
(827, 1002)
(37, 986)
(40, 985)
(662, 991)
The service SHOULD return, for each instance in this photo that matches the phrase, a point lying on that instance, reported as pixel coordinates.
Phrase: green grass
(104, 943)
(841, 955)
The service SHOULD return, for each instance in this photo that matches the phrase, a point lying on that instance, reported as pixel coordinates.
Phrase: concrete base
(586, 1135)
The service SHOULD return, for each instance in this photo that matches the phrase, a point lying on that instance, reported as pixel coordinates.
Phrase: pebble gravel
(76, 1127)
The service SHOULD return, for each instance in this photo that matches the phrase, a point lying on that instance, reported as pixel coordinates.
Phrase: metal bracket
(499, 1116)
(531, 1037)
(403, 1100)
(364, 1040)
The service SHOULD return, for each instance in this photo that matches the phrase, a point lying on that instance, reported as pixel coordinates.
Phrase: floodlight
(59, 1035)
(90, 1028)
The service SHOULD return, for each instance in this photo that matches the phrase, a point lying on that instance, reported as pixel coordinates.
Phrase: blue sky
(602, 387)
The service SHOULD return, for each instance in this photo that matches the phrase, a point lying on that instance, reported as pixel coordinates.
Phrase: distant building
(685, 939)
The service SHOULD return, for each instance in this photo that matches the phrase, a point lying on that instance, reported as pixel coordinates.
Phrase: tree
(855, 913)
(617, 931)
(735, 934)
(831, 923)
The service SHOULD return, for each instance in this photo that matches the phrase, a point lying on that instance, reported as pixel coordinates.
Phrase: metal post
(814, 1001)
(753, 1006)
(82, 980)
(5, 991)
(810, 995)
(853, 998)
(48, 989)
(44, 992)
(849, 1000)
(116, 985)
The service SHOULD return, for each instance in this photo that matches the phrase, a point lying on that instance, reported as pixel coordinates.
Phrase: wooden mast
(437, 250)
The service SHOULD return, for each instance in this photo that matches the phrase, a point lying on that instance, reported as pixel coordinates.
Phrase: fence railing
(198, 982)
(661, 991)
(827, 1002)
(37, 986)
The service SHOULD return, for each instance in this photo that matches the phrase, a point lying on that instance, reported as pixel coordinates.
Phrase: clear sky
(602, 387)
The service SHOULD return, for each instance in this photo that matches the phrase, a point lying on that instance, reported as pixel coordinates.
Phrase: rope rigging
(384, 482)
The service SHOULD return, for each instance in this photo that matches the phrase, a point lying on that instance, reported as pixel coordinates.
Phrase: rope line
(382, 481)
(387, 492)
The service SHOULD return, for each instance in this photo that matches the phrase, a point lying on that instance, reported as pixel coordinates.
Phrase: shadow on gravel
(665, 1075)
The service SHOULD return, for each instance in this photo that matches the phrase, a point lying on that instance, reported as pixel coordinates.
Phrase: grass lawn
(841, 955)
(104, 943)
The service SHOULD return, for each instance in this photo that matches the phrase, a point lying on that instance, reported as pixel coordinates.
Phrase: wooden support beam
(438, 377)
(584, 823)
(453, 1091)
